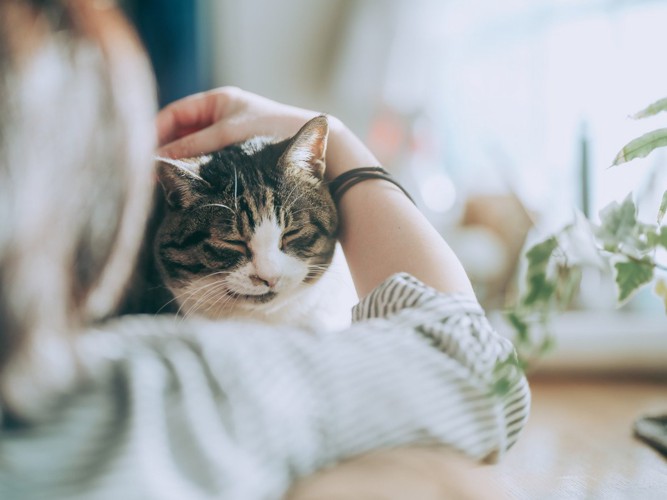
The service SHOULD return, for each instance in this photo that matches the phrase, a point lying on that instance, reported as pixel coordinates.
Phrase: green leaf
(547, 345)
(663, 207)
(631, 276)
(661, 291)
(579, 245)
(653, 109)
(653, 238)
(618, 224)
(658, 237)
(663, 236)
(538, 255)
(567, 284)
(642, 146)
(539, 288)
(520, 326)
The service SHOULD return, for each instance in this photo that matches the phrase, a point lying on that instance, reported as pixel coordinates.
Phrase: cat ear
(308, 147)
(180, 179)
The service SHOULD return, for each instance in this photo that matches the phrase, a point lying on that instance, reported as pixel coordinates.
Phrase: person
(98, 406)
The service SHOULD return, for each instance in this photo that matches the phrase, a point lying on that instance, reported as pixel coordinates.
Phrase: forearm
(426, 473)
(252, 407)
(423, 375)
(381, 231)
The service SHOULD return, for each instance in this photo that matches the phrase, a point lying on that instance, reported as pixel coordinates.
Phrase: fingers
(211, 120)
(190, 114)
(203, 141)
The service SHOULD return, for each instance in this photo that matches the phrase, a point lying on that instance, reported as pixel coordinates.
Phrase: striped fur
(248, 230)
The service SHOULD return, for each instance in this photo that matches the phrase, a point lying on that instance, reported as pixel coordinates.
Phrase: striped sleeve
(178, 408)
(457, 326)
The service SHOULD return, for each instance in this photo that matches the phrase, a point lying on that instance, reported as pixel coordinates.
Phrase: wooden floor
(578, 444)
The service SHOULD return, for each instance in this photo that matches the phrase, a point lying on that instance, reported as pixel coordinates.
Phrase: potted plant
(620, 243)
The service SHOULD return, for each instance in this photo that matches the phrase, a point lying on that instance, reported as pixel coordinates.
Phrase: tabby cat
(250, 231)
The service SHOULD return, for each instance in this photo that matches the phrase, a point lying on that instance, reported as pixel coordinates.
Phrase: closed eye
(238, 245)
(289, 236)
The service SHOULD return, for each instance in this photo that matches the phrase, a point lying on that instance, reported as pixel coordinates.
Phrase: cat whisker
(189, 292)
(212, 287)
(186, 293)
(236, 189)
(165, 305)
(215, 273)
(315, 270)
(222, 302)
(307, 208)
(315, 275)
(288, 199)
(214, 293)
(292, 202)
(186, 307)
(176, 298)
(218, 205)
(289, 195)
(219, 302)
(212, 290)
(322, 267)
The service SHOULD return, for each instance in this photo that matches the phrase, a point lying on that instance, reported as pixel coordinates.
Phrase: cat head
(247, 227)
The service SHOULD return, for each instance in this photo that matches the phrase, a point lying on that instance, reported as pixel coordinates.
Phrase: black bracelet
(346, 180)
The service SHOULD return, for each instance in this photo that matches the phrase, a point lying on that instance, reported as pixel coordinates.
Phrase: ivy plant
(620, 244)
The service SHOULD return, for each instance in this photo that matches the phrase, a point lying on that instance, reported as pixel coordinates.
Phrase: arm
(381, 232)
(177, 408)
(423, 371)
(188, 409)
(255, 407)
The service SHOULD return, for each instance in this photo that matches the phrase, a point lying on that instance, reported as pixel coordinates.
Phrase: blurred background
(500, 117)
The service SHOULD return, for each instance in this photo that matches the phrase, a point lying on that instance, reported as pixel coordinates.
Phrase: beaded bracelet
(346, 180)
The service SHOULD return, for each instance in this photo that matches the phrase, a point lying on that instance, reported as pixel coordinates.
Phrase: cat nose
(269, 281)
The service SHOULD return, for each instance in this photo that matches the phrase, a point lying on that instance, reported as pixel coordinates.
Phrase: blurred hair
(76, 139)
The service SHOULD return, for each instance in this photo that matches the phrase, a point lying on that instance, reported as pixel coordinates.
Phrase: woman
(169, 408)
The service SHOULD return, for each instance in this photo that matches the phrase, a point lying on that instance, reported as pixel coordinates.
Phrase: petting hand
(211, 120)
(381, 231)
(205, 122)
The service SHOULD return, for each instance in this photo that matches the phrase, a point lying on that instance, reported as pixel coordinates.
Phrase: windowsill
(603, 342)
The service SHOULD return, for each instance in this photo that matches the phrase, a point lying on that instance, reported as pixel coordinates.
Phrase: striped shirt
(193, 409)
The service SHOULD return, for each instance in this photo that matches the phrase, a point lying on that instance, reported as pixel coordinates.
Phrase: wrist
(345, 151)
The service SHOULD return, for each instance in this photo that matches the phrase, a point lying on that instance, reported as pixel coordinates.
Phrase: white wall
(477, 95)
(328, 55)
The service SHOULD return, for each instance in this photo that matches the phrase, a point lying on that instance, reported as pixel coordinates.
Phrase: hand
(211, 120)
(205, 122)
(381, 231)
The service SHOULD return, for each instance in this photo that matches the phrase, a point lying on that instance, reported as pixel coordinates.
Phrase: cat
(249, 232)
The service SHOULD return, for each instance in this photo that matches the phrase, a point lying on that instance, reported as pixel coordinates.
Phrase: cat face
(247, 227)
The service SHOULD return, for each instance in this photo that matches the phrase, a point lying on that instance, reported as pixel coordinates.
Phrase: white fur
(302, 157)
(189, 165)
(268, 263)
(326, 304)
(255, 144)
